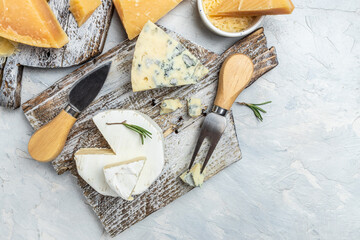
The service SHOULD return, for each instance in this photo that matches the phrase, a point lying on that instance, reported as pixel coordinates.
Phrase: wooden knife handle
(235, 75)
(48, 142)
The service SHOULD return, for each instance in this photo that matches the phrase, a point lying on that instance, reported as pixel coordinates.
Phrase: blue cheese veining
(170, 105)
(194, 107)
(194, 177)
(160, 61)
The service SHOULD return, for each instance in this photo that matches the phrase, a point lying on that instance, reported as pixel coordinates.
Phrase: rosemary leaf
(259, 109)
(143, 133)
(255, 108)
(259, 104)
(146, 132)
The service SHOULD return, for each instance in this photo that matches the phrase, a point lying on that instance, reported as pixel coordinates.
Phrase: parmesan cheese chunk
(7, 47)
(31, 22)
(135, 13)
(253, 7)
(83, 9)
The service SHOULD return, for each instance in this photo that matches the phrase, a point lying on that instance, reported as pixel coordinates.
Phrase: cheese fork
(235, 75)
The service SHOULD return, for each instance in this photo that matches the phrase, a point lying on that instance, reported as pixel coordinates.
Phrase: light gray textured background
(300, 173)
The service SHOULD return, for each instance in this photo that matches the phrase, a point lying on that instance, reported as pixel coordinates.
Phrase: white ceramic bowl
(214, 29)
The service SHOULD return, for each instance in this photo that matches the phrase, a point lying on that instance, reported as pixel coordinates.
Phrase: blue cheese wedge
(193, 177)
(160, 61)
(122, 177)
(170, 105)
(194, 107)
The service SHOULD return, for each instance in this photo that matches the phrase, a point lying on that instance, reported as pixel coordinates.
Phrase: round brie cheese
(125, 144)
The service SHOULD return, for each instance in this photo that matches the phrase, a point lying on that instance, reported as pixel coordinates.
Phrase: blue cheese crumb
(170, 105)
(194, 107)
(193, 177)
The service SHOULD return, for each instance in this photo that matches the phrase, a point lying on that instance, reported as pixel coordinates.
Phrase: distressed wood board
(180, 131)
(84, 43)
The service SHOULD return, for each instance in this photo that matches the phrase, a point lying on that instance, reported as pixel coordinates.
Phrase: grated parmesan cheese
(227, 24)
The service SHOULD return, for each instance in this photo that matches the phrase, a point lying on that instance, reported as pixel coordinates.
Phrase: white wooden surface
(299, 176)
(85, 42)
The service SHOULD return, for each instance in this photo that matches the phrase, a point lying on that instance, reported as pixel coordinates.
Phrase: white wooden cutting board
(180, 131)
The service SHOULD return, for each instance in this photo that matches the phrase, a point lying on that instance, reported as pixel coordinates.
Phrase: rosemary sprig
(141, 131)
(255, 108)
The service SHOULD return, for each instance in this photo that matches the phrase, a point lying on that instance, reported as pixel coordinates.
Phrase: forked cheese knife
(235, 75)
(48, 142)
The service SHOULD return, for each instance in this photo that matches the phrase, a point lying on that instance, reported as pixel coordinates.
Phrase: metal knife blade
(87, 88)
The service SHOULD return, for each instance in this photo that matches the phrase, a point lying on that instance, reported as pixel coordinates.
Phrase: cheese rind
(135, 13)
(122, 177)
(170, 105)
(253, 8)
(7, 47)
(127, 143)
(160, 61)
(83, 9)
(31, 22)
(194, 107)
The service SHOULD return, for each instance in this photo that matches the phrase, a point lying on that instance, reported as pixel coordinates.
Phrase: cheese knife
(235, 75)
(48, 142)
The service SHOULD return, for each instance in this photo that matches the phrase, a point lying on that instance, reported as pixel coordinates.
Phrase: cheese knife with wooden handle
(48, 142)
(235, 75)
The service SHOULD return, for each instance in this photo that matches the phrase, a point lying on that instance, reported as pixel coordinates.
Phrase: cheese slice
(135, 13)
(160, 61)
(7, 47)
(31, 22)
(253, 7)
(126, 144)
(227, 24)
(194, 107)
(194, 177)
(122, 177)
(82, 9)
(170, 105)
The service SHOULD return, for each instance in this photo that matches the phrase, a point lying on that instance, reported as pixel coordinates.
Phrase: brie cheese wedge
(122, 177)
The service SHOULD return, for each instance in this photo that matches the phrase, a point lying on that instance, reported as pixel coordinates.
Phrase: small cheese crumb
(7, 47)
(193, 177)
(194, 107)
(170, 105)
